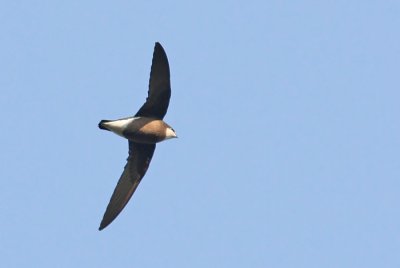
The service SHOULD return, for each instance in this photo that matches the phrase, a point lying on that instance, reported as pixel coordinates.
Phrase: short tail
(101, 124)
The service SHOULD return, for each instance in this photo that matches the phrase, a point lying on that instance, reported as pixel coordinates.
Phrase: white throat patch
(169, 133)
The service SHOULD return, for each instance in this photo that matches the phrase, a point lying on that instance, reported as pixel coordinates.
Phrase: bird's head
(170, 133)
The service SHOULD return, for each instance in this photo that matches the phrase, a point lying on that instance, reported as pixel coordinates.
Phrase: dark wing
(138, 161)
(157, 101)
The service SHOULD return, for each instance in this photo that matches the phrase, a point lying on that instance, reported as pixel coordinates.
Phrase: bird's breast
(146, 130)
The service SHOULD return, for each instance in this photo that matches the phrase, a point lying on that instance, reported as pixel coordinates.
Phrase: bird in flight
(143, 131)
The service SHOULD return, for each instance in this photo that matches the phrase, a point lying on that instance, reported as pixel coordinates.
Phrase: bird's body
(142, 131)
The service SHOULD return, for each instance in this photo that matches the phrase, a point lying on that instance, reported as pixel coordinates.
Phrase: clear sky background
(287, 114)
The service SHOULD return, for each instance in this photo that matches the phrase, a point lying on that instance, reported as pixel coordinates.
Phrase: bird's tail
(102, 126)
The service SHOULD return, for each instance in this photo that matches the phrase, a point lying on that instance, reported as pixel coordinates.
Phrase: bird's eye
(172, 129)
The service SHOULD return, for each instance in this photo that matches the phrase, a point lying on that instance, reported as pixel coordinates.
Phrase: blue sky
(287, 114)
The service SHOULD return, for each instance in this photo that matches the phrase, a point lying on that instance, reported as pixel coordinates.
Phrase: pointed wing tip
(158, 46)
(103, 225)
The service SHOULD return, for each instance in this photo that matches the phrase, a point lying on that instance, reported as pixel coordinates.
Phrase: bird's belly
(149, 131)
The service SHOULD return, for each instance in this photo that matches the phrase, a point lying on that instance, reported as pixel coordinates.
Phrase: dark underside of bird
(143, 131)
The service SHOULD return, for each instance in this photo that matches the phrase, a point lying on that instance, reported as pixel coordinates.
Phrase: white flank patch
(118, 126)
